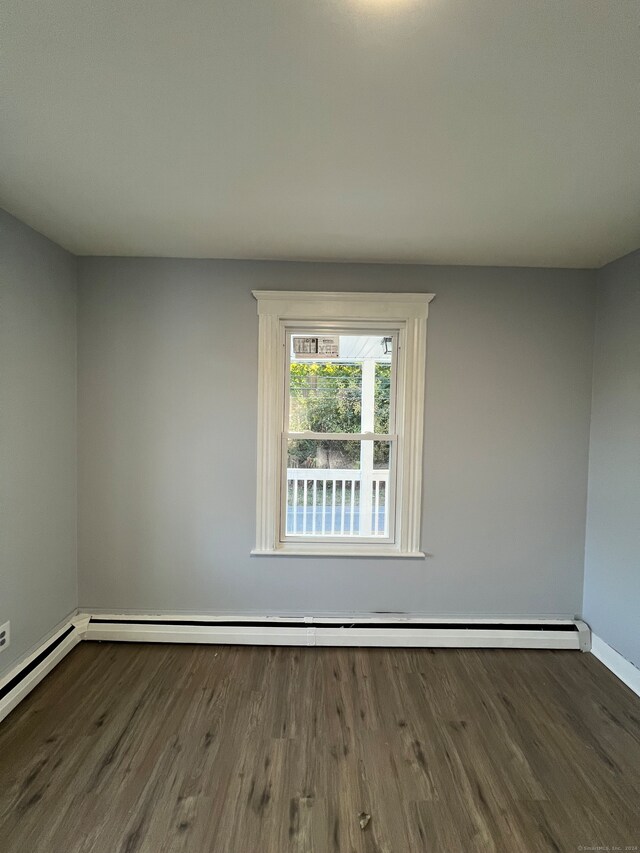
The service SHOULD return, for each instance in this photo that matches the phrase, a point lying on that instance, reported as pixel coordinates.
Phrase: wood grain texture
(132, 748)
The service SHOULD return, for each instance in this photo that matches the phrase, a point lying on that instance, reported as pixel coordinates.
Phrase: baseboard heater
(317, 631)
(29, 672)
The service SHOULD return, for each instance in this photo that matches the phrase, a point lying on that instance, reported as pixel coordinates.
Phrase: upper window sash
(347, 335)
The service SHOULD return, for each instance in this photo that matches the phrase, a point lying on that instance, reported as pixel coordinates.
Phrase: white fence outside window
(337, 502)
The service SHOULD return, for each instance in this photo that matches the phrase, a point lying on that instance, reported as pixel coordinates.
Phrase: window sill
(298, 550)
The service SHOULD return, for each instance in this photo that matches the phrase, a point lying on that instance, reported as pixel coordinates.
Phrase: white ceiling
(436, 131)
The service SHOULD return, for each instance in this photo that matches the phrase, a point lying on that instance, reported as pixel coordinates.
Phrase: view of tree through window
(327, 397)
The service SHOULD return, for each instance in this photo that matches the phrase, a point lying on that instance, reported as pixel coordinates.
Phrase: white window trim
(406, 311)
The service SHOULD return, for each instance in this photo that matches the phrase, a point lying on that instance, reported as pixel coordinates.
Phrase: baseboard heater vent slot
(256, 623)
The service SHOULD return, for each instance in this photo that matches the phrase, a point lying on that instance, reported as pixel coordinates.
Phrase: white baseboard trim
(619, 665)
(317, 631)
(27, 673)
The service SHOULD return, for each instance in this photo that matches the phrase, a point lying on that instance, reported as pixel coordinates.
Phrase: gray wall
(612, 566)
(38, 577)
(167, 425)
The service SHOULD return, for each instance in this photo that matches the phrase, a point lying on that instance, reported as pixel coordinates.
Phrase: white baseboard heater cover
(27, 674)
(315, 631)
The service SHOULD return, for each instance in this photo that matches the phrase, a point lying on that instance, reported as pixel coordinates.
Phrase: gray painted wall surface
(167, 426)
(38, 574)
(612, 565)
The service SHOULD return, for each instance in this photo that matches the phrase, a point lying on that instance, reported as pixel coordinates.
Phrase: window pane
(350, 391)
(337, 488)
(382, 397)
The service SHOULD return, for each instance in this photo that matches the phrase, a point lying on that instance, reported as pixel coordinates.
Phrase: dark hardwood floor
(129, 748)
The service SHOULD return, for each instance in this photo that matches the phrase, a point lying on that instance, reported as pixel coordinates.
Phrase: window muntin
(338, 470)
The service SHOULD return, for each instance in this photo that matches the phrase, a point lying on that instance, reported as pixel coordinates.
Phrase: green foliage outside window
(326, 397)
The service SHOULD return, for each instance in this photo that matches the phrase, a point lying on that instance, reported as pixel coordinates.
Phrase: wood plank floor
(129, 748)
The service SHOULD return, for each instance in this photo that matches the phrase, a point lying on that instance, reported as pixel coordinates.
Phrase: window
(341, 405)
(338, 456)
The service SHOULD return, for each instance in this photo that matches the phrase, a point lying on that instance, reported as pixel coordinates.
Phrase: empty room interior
(320, 426)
